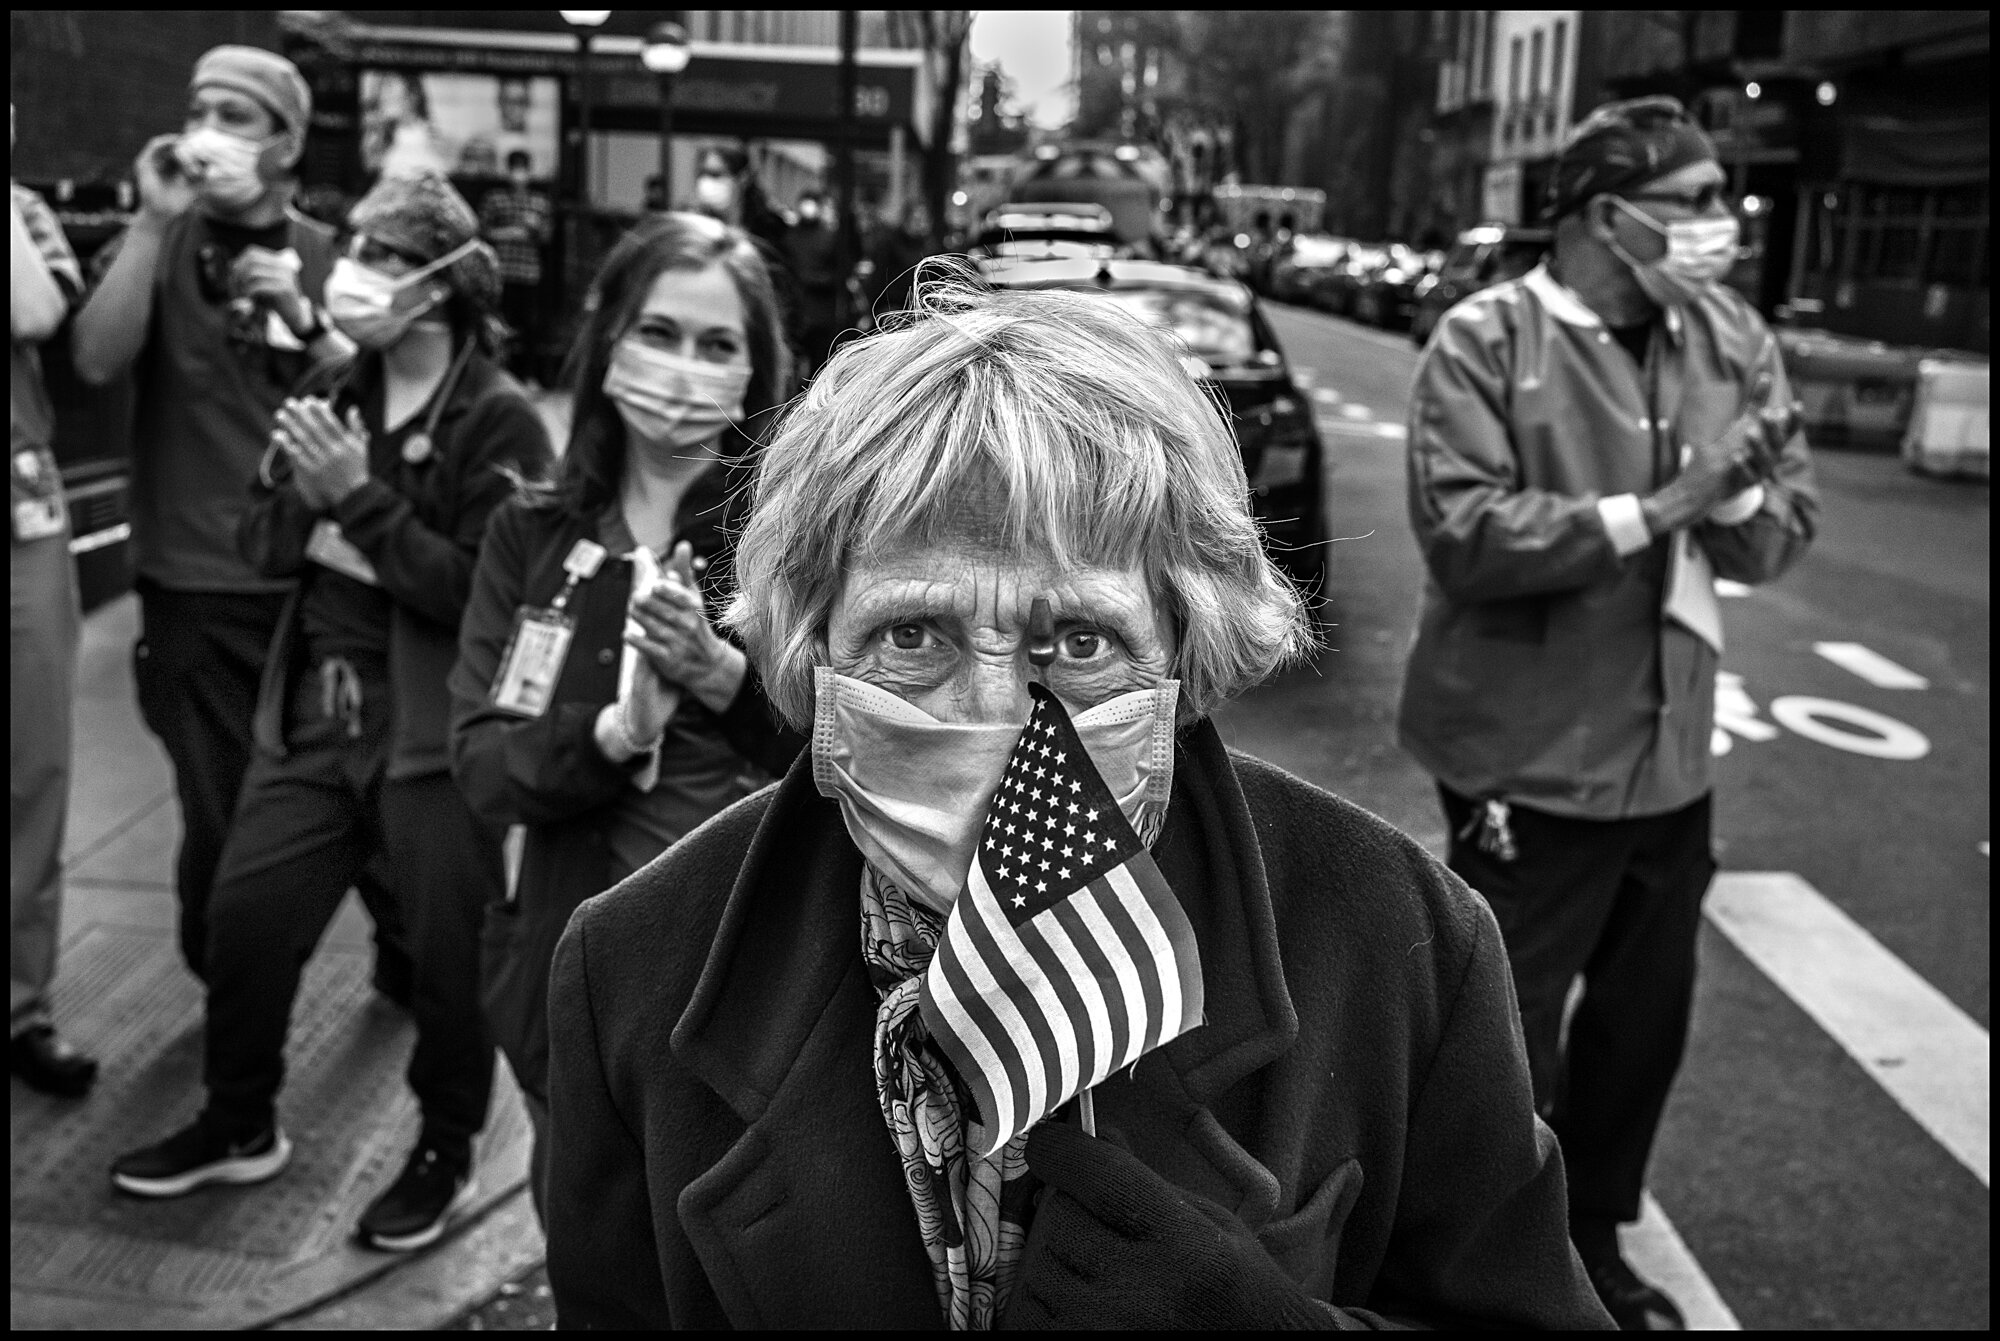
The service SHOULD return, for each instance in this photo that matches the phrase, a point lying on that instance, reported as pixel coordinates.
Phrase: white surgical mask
(362, 301)
(715, 193)
(227, 168)
(672, 401)
(1699, 252)
(914, 791)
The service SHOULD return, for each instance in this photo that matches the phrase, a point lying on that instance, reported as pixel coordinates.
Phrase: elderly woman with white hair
(1012, 507)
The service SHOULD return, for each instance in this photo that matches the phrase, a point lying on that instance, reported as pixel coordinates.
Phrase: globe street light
(666, 54)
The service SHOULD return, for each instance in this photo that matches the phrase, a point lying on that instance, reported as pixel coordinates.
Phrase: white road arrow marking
(1871, 666)
(1736, 711)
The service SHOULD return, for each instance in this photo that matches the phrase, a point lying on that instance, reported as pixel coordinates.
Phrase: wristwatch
(318, 327)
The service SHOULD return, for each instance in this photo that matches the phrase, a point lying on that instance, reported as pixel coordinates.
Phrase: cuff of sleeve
(1624, 523)
(1735, 511)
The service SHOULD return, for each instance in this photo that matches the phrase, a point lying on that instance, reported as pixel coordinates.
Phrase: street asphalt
(1807, 1185)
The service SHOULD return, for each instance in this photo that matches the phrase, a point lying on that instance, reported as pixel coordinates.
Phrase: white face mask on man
(227, 169)
(1699, 252)
(671, 401)
(914, 791)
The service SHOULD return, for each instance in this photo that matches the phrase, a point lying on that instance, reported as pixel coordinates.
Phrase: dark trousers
(1618, 902)
(196, 667)
(306, 827)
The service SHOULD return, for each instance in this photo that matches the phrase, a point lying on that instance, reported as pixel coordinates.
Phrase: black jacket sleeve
(605, 1266)
(428, 568)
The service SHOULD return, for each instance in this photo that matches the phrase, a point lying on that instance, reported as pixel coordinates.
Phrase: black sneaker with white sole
(416, 1209)
(198, 1155)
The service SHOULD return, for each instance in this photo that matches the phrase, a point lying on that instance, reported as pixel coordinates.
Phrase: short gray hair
(1074, 416)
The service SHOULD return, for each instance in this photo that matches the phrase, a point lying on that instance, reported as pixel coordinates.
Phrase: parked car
(1482, 257)
(1059, 228)
(1299, 266)
(1341, 283)
(1388, 296)
(1232, 349)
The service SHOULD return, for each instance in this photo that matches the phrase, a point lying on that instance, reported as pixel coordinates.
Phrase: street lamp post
(666, 55)
(583, 22)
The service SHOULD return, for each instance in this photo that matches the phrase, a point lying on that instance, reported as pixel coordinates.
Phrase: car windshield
(1212, 327)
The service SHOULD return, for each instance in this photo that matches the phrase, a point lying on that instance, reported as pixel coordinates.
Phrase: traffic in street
(1823, 1160)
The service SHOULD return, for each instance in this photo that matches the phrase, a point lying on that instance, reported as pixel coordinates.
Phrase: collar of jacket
(780, 1026)
(1560, 301)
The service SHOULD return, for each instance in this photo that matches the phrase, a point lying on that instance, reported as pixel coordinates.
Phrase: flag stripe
(1133, 925)
(1173, 920)
(1044, 939)
(1013, 1001)
(1113, 947)
(1039, 1001)
(971, 1035)
(1103, 976)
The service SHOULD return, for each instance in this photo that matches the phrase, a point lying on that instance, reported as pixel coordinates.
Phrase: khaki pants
(43, 624)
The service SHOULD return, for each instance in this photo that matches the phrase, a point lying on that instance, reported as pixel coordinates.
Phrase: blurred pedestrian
(1590, 446)
(518, 221)
(757, 1120)
(374, 493)
(897, 248)
(812, 254)
(42, 628)
(726, 188)
(645, 722)
(210, 298)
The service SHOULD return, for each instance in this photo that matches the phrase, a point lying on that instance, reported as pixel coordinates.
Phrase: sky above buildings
(1033, 47)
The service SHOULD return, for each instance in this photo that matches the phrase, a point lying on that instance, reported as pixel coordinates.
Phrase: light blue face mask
(914, 791)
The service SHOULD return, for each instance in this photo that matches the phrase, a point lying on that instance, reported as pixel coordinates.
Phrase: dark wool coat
(1358, 1094)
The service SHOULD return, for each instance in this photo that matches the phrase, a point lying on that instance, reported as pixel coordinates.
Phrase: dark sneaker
(198, 1155)
(48, 1064)
(1634, 1305)
(415, 1210)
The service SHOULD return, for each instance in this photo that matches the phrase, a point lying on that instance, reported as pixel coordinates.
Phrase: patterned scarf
(972, 1212)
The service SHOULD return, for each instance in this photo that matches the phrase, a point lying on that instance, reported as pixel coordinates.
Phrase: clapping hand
(329, 459)
(675, 638)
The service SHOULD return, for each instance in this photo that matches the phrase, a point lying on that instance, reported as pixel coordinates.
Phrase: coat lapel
(808, 1209)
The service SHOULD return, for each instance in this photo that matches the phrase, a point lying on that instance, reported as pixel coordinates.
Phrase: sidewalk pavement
(279, 1254)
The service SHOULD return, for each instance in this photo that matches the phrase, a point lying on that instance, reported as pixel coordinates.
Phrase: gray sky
(1032, 46)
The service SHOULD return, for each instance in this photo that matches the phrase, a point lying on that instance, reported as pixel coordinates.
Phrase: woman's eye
(1082, 645)
(906, 637)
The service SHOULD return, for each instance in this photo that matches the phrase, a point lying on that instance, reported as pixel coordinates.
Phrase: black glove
(1115, 1245)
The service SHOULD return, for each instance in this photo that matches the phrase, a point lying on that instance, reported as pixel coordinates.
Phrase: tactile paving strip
(82, 1253)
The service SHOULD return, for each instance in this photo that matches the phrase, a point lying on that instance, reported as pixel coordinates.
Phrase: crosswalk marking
(1871, 666)
(1654, 1248)
(1730, 587)
(1931, 1057)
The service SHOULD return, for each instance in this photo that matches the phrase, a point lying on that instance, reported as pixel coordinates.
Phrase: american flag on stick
(1067, 957)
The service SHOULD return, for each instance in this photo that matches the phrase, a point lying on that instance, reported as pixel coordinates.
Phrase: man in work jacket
(1591, 446)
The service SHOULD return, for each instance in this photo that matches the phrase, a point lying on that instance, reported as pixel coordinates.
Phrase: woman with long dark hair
(374, 492)
(593, 700)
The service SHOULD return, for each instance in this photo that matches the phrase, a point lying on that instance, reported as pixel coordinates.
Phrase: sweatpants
(197, 665)
(42, 631)
(305, 828)
(1619, 903)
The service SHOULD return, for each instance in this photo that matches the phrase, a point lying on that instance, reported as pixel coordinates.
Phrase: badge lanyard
(539, 643)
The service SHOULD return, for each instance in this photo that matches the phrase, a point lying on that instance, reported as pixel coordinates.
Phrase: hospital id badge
(37, 496)
(533, 661)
